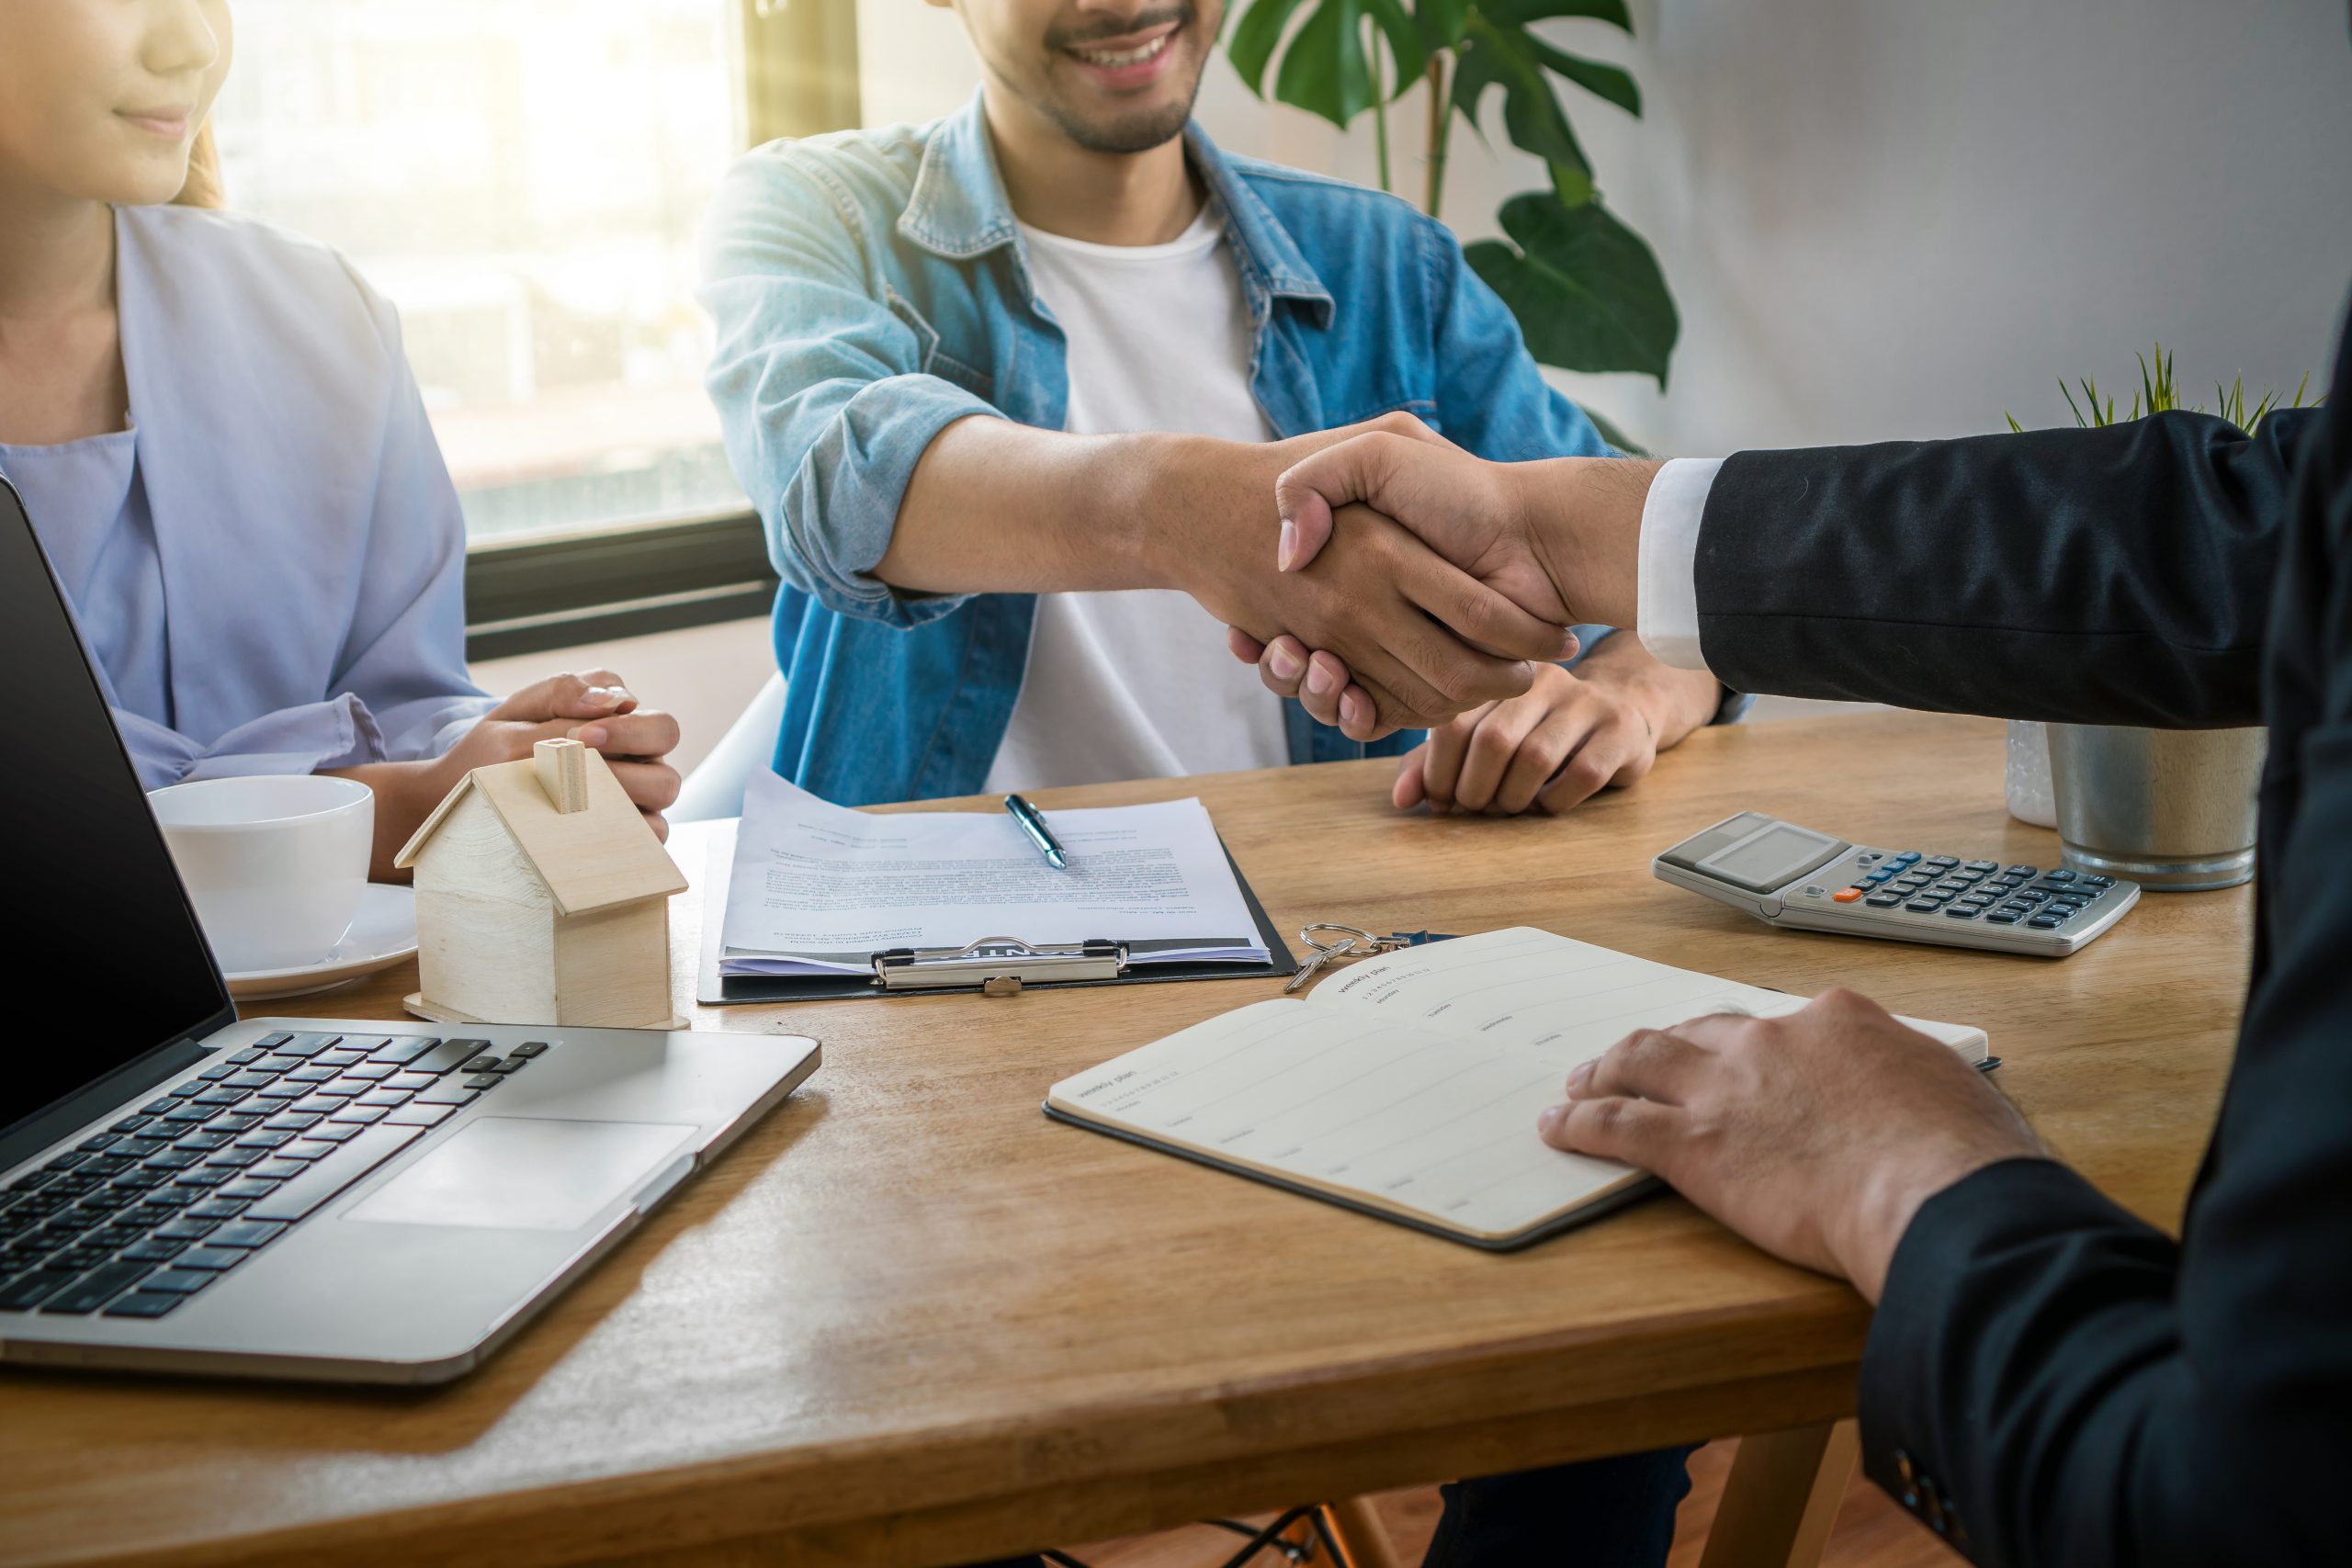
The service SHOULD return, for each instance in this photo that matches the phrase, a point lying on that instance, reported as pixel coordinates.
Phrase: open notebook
(1407, 1086)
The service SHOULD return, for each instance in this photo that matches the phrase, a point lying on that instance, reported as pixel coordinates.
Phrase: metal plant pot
(2171, 809)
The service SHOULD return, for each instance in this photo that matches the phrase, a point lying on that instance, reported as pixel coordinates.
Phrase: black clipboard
(713, 989)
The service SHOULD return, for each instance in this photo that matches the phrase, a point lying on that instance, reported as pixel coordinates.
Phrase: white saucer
(383, 933)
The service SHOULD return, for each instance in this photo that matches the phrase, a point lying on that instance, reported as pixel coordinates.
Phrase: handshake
(1420, 587)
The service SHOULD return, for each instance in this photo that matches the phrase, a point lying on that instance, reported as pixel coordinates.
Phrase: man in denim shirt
(1011, 390)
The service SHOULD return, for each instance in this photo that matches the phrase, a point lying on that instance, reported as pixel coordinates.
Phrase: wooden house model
(542, 897)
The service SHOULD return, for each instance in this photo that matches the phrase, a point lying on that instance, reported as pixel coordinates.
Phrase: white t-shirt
(1138, 684)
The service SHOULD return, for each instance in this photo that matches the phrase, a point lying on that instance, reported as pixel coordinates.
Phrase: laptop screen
(108, 959)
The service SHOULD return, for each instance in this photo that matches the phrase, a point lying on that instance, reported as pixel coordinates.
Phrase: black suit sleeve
(2115, 576)
(2057, 1383)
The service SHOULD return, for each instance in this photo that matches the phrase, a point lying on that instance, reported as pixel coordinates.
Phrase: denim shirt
(870, 287)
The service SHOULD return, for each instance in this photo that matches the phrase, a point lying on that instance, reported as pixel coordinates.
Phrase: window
(523, 180)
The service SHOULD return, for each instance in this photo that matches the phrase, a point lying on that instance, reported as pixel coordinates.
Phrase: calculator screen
(1769, 859)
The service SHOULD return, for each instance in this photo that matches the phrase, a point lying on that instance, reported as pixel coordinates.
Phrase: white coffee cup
(276, 864)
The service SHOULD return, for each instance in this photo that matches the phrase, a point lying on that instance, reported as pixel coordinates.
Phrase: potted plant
(1585, 288)
(2169, 808)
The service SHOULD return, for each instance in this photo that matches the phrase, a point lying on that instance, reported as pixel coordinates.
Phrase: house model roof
(590, 859)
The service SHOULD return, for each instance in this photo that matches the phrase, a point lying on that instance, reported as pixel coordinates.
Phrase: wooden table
(909, 1321)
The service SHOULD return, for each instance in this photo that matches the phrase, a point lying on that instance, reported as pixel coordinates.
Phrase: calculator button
(2002, 918)
(2089, 881)
(1923, 906)
(1875, 877)
(2046, 922)
(2061, 875)
(1976, 904)
(2027, 871)
(1982, 865)
(2030, 895)
(1883, 900)
(1846, 895)
(1941, 863)
(1962, 912)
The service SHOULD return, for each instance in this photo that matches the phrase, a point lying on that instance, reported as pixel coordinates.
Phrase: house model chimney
(564, 773)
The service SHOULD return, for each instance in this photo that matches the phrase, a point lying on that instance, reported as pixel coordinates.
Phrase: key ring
(1348, 937)
(1352, 943)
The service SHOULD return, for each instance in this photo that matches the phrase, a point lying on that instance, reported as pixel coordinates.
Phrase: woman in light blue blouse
(224, 454)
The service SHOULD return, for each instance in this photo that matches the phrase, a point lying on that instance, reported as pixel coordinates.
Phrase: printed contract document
(1407, 1086)
(817, 888)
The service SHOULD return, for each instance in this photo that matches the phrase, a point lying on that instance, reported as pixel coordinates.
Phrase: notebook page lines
(1561, 1000)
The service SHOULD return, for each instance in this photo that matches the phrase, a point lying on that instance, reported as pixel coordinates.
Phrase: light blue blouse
(269, 566)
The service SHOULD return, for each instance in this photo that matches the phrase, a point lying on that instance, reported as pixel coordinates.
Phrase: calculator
(1788, 875)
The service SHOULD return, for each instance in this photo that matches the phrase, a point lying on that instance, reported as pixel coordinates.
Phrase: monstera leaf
(1533, 116)
(1586, 289)
(1326, 70)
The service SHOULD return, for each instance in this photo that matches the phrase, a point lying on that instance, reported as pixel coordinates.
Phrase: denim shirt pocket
(937, 361)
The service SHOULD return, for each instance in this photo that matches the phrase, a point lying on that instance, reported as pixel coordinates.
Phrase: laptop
(351, 1200)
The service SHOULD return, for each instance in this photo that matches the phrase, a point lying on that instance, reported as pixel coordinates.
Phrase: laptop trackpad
(515, 1173)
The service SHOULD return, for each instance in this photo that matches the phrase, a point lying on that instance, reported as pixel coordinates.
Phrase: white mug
(276, 864)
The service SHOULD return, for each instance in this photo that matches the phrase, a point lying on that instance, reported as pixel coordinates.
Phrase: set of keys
(1348, 942)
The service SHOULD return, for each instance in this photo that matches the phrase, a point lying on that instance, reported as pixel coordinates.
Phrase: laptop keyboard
(137, 1219)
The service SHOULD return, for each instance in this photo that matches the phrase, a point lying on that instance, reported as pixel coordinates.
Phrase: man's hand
(1816, 1135)
(591, 706)
(996, 507)
(1421, 639)
(1559, 538)
(1467, 509)
(1573, 735)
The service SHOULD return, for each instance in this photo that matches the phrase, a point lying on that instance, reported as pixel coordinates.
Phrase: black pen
(1033, 822)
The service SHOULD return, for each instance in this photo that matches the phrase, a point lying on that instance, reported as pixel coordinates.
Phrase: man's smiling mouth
(1118, 57)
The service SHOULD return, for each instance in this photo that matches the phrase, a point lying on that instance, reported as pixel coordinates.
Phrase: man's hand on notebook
(1559, 538)
(1817, 1135)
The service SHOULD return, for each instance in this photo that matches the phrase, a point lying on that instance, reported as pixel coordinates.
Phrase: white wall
(1895, 218)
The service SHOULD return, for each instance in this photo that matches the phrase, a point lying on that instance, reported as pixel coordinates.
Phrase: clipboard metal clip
(998, 965)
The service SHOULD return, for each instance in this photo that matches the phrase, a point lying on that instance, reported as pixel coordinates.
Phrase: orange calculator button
(1848, 895)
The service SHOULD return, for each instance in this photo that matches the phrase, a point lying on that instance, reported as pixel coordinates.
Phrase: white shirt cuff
(1667, 589)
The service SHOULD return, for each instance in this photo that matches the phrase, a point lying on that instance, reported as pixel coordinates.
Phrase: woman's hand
(591, 706)
(1563, 742)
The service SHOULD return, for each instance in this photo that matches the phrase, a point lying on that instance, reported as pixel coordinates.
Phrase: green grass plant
(2160, 392)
